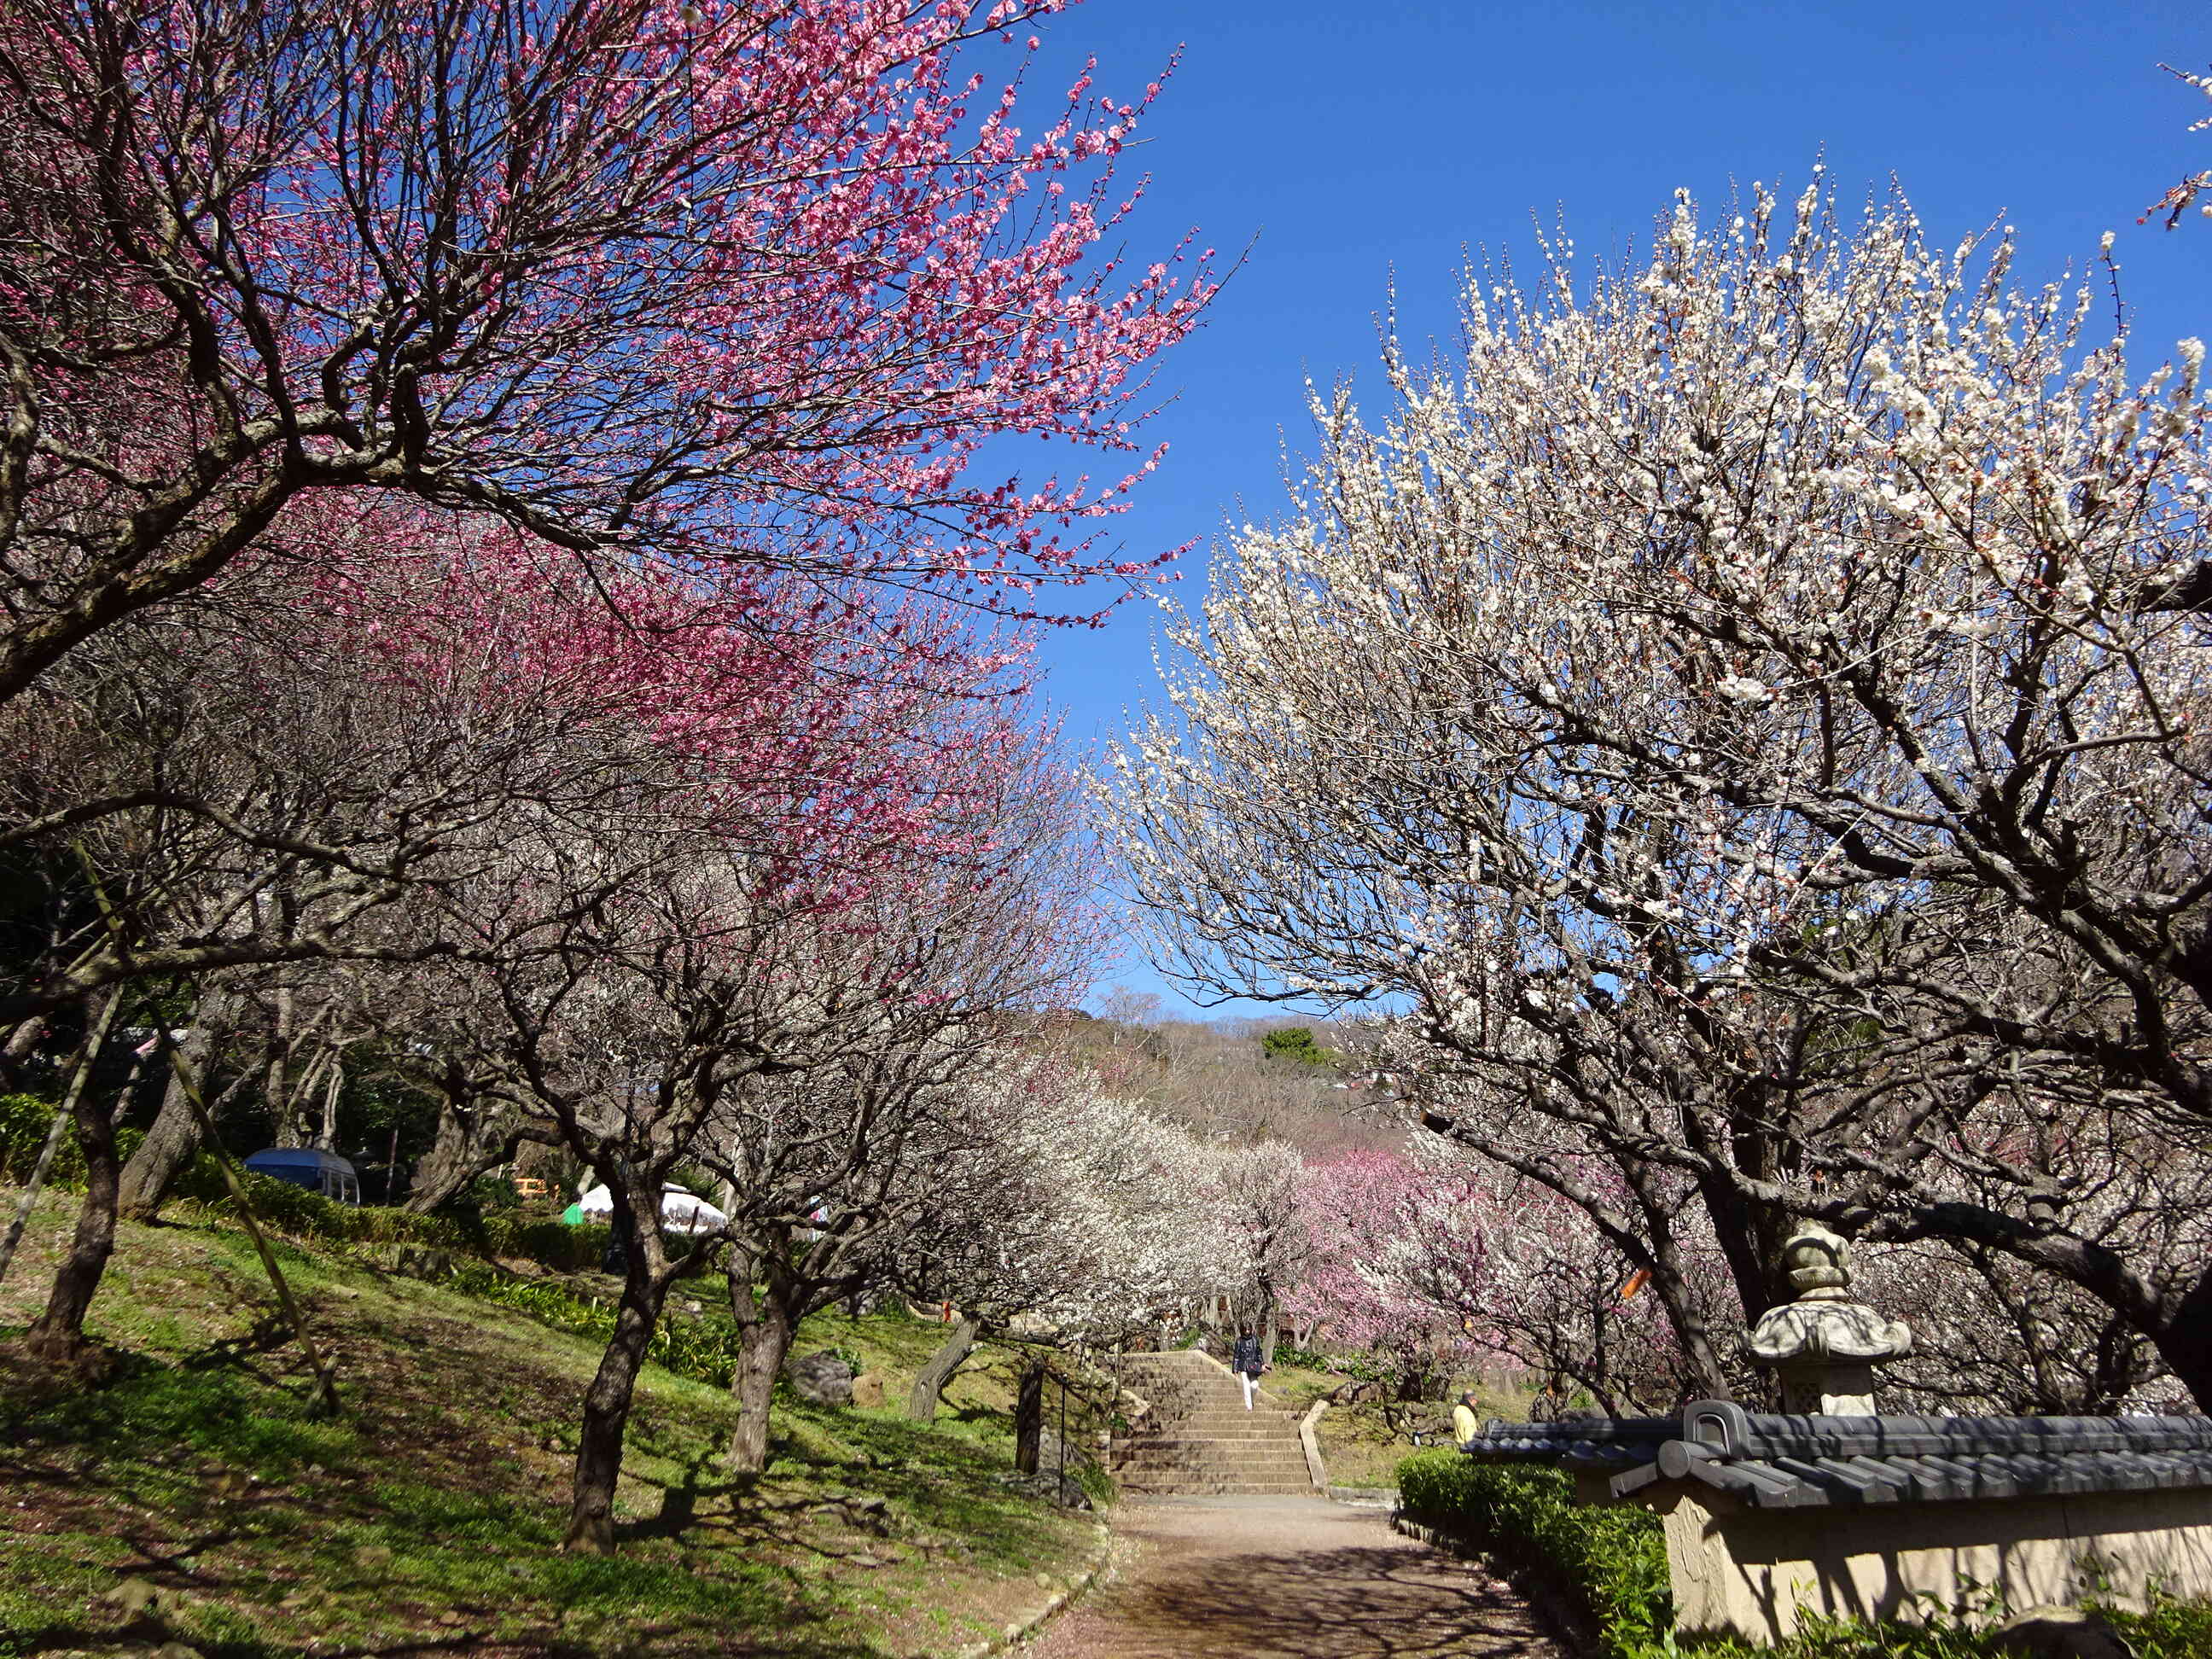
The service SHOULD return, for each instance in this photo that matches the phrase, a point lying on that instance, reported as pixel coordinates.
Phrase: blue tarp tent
(307, 1166)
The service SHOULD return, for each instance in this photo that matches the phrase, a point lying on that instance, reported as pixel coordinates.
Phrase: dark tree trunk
(1029, 1418)
(2184, 1342)
(22, 1043)
(1750, 1237)
(174, 1140)
(57, 1337)
(767, 1317)
(607, 1402)
(472, 1139)
(929, 1383)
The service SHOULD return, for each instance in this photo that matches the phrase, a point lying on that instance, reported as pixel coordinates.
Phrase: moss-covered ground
(194, 1497)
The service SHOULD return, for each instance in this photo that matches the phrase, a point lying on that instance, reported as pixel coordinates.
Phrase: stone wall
(1757, 1572)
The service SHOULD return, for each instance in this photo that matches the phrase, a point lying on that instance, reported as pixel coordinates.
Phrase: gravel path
(1293, 1577)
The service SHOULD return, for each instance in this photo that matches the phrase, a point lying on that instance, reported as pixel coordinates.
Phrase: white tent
(680, 1211)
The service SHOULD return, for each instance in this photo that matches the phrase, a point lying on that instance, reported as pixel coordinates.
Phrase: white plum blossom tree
(1751, 709)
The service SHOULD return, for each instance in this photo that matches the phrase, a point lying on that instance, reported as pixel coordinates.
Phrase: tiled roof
(1582, 1443)
(1776, 1461)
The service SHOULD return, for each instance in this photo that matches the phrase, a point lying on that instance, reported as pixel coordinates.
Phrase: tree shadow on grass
(269, 1332)
(745, 1511)
(251, 1496)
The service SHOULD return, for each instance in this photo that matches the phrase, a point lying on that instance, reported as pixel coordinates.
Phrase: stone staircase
(1199, 1438)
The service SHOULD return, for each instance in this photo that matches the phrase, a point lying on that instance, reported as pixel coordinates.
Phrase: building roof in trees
(1771, 1461)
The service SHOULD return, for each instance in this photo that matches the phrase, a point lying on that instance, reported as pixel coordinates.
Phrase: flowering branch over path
(715, 286)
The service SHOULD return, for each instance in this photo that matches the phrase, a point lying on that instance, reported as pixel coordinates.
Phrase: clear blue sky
(1354, 141)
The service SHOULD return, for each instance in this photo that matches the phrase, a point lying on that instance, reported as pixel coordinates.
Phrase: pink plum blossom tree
(710, 287)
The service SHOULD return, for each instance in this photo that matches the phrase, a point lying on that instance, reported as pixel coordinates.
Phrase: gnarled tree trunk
(57, 1336)
(1028, 1417)
(767, 1320)
(929, 1383)
(477, 1132)
(607, 1402)
(174, 1140)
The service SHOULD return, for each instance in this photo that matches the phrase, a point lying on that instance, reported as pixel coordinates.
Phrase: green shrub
(200, 1182)
(704, 1350)
(24, 1120)
(302, 1215)
(2171, 1630)
(23, 1123)
(1610, 1563)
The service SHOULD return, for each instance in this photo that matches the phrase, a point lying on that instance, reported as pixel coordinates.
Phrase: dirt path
(1293, 1577)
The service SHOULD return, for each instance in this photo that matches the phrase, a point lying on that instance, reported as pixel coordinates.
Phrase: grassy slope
(429, 1513)
(1359, 1447)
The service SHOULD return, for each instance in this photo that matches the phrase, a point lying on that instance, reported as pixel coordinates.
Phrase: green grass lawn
(195, 1498)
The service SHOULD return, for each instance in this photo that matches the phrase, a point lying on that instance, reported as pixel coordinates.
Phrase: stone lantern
(1825, 1344)
(1829, 1510)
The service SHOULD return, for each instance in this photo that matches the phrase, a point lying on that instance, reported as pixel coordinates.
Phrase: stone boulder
(2052, 1632)
(1050, 1455)
(820, 1379)
(1065, 1491)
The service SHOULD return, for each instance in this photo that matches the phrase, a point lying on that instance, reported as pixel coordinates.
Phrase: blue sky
(1351, 143)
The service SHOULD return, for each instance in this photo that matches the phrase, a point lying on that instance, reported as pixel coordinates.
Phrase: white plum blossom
(1765, 678)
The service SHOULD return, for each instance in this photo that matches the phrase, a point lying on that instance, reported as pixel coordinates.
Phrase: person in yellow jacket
(1464, 1427)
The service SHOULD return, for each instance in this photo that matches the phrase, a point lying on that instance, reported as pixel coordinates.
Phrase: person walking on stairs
(1244, 1359)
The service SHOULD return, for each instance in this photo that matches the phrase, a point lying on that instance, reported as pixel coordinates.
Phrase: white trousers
(1247, 1382)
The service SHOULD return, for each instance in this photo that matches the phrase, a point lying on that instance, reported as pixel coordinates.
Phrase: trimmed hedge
(1610, 1563)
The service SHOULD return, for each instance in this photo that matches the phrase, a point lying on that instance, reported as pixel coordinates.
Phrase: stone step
(1227, 1386)
(1182, 1437)
(1224, 1489)
(1199, 1438)
(1288, 1468)
(1225, 1416)
(1187, 1458)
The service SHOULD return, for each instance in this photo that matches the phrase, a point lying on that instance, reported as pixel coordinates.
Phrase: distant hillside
(1218, 1077)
